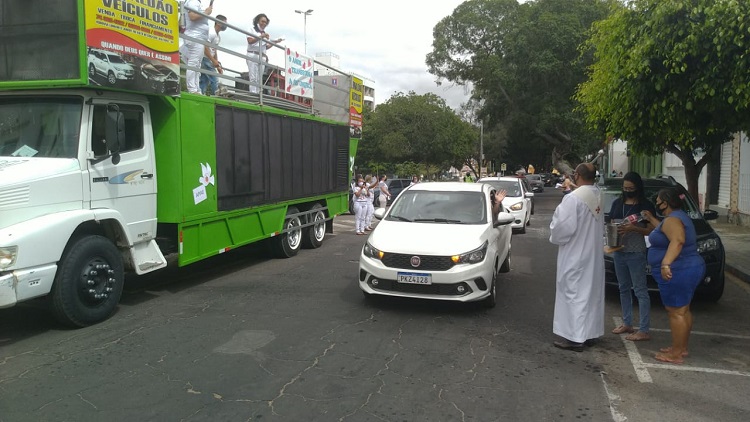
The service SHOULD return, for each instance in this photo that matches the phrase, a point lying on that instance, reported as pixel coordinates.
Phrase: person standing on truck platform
(196, 26)
(210, 60)
(257, 44)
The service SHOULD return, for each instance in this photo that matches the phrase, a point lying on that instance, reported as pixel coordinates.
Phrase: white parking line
(635, 357)
(641, 367)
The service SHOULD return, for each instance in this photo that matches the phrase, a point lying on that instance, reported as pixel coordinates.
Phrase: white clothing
(214, 39)
(256, 62)
(579, 297)
(360, 209)
(370, 207)
(192, 52)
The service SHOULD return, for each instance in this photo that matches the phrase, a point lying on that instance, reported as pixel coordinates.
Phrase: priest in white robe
(578, 229)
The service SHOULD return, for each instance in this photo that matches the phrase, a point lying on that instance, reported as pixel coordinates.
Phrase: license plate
(414, 278)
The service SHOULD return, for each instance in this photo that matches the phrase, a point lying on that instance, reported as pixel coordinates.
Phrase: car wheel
(88, 283)
(286, 245)
(111, 78)
(92, 71)
(506, 264)
(715, 293)
(491, 300)
(312, 236)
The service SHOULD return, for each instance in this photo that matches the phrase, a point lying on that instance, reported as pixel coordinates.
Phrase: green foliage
(671, 75)
(524, 64)
(411, 128)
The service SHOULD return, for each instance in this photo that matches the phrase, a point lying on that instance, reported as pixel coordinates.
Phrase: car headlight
(8, 256)
(372, 252)
(518, 206)
(708, 245)
(477, 255)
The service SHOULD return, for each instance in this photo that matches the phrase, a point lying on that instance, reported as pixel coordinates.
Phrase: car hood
(427, 238)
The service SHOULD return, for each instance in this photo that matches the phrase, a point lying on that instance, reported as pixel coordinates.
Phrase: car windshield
(439, 207)
(40, 127)
(511, 186)
(114, 58)
(612, 192)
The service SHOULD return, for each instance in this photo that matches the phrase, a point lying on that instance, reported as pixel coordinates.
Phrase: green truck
(100, 176)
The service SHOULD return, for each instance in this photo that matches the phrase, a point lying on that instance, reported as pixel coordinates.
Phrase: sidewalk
(736, 240)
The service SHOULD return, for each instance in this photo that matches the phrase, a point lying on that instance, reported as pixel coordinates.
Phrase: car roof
(650, 182)
(449, 186)
(505, 178)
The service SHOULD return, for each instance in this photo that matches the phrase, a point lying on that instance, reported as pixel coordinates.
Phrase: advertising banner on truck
(299, 74)
(356, 100)
(133, 45)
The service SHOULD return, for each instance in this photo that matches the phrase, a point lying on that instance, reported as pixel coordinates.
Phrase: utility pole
(305, 14)
(481, 146)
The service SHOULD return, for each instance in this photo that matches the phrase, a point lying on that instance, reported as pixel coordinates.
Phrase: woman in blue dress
(677, 268)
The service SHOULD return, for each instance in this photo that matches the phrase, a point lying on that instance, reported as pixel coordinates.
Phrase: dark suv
(709, 243)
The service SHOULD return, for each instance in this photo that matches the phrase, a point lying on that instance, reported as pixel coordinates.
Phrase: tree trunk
(692, 168)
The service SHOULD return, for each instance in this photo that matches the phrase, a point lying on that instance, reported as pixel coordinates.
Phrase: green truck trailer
(107, 169)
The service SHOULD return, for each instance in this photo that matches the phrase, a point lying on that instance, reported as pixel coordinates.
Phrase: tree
(523, 62)
(416, 128)
(671, 75)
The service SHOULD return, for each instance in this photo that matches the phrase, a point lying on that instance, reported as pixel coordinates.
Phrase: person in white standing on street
(372, 183)
(385, 195)
(578, 229)
(210, 60)
(196, 26)
(360, 205)
(257, 44)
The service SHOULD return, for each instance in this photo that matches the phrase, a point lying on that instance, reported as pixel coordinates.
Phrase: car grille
(427, 262)
(424, 289)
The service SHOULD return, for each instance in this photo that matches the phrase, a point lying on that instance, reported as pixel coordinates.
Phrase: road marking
(696, 369)
(614, 400)
(704, 333)
(641, 370)
(641, 367)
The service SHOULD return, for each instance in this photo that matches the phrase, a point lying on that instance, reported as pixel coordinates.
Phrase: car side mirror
(529, 194)
(379, 213)
(710, 215)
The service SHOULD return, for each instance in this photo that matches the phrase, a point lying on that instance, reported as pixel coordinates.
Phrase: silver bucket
(613, 238)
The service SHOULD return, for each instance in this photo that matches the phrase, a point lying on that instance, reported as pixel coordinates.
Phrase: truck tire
(286, 245)
(312, 236)
(88, 283)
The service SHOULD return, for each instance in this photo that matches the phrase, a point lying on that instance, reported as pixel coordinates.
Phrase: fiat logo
(415, 261)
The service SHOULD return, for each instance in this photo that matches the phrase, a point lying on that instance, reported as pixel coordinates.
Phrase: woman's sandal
(668, 350)
(638, 336)
(663, 357)
(623, 329)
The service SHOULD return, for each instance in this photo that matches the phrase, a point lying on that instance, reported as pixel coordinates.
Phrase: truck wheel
(286, 245)
(89, 282)
(312, 236)
(111, 78)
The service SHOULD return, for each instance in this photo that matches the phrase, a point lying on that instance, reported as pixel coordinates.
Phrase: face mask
(629, 194)
(360, 183)
(662, 209)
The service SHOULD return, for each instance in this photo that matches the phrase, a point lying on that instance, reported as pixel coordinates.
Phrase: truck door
(129, 187)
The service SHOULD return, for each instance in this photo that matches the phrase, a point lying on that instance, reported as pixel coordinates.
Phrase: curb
(737, 272)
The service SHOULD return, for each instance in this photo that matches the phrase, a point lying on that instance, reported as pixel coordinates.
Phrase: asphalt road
(246, 337)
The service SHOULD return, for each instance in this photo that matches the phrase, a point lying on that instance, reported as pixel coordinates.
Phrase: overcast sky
(384, 40)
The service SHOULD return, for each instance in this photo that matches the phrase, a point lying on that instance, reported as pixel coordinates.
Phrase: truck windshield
(40, 126)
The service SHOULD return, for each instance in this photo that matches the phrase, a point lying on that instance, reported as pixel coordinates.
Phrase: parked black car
(709, 243)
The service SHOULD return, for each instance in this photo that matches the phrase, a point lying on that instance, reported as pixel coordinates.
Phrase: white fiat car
(438, 241)
(518, 201)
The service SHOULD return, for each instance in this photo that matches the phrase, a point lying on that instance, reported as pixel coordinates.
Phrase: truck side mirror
(115, 133)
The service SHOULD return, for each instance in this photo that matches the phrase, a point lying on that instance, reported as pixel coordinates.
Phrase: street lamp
(305, 13)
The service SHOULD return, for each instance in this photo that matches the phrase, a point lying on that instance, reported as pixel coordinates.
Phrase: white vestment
(578, 229)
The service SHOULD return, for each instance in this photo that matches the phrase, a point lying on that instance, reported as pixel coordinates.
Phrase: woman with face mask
(677, 268)
(361, 194)
(631, 258)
